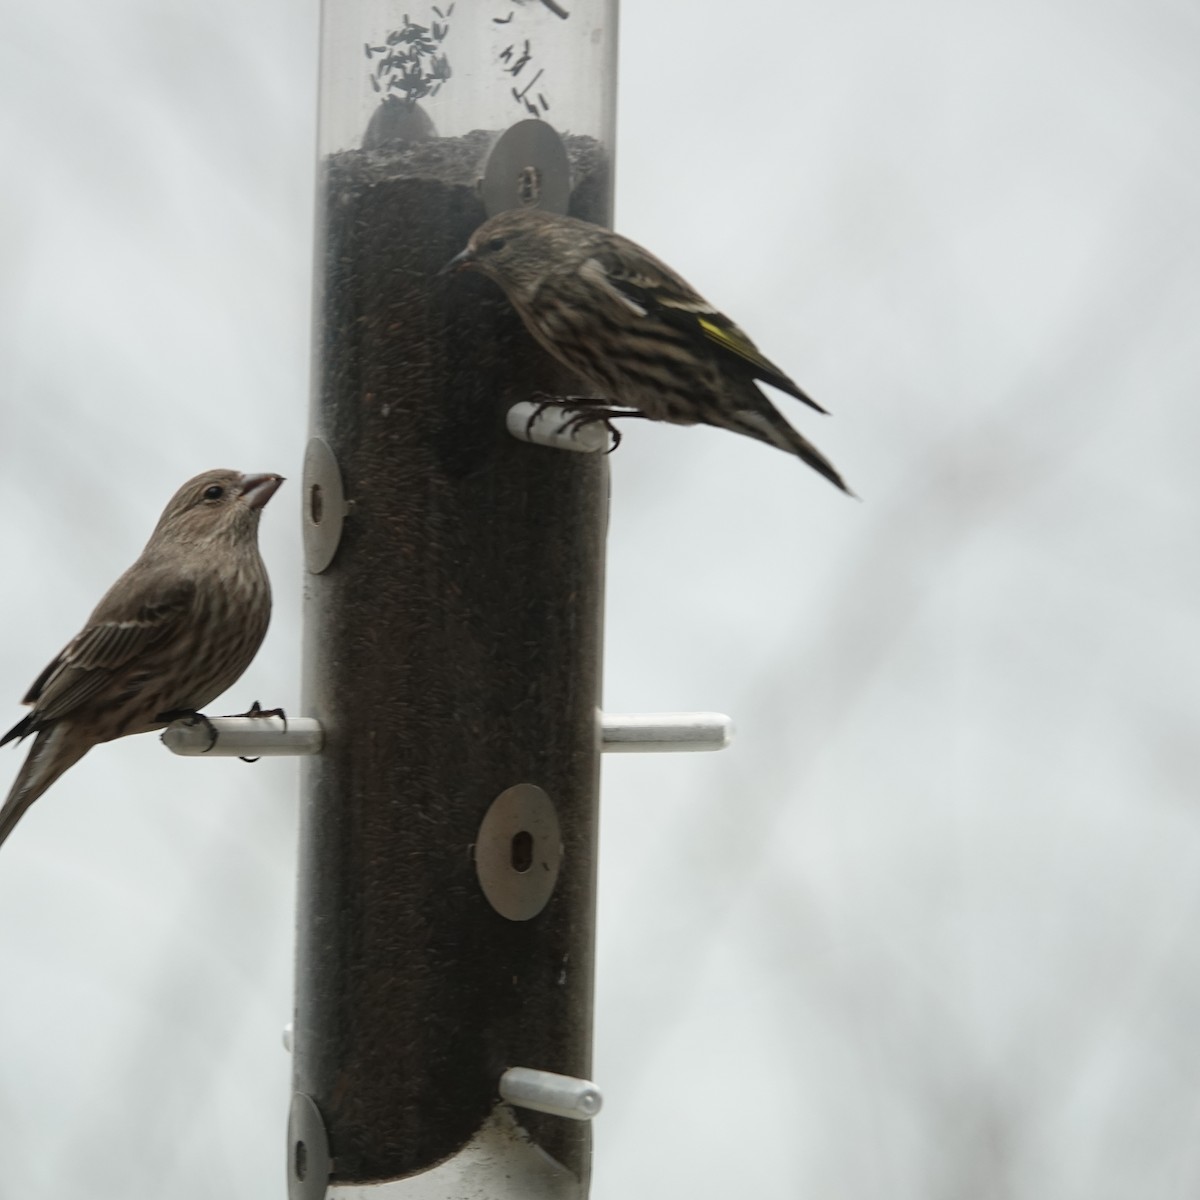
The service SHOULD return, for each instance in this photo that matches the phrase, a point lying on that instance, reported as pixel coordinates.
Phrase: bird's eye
(494, 245)
(214, 493)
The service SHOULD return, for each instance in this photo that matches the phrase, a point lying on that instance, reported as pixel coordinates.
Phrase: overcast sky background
(928, 930)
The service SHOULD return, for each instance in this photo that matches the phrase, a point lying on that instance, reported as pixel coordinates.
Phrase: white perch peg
(265, 737)
(544, 1091)
(245, 737)
(547, 429)
(639, 733)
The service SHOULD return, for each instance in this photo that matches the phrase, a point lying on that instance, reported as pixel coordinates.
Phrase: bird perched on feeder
(632, 327)
(177, 629)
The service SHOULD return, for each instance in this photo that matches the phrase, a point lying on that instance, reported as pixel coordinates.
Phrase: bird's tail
(52, 752)
(764, 422)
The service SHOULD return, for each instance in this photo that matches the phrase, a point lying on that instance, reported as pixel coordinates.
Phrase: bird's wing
(128, 621)
(649, 287)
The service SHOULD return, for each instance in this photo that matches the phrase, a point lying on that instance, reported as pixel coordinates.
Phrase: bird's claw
(257, 710)
(577, 420)
(192, 717)
(544, 402)
(581, 410)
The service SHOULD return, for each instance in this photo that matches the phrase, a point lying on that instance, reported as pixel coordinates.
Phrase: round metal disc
(518, 852)
(324, 506)
(308, 1150)
(527, 168)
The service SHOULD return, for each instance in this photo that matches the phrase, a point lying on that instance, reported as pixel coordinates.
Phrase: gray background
(928, 929)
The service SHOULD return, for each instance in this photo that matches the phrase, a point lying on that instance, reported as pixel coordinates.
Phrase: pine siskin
(625, 322)
(177, 629)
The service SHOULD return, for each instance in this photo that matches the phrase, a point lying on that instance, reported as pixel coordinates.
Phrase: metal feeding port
(527, 167)
(324, 506)
(518, 851)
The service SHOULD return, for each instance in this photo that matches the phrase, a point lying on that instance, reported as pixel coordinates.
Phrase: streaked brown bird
(634, 329)
(177, 629)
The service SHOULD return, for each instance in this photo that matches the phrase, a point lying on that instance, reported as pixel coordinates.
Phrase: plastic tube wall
(453, 614)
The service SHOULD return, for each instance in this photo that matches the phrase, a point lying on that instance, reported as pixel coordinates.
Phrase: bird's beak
(460, 262)
(256, 490)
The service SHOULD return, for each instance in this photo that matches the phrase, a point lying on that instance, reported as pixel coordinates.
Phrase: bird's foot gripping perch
(257, 710)
(582, 411)
(192, 717)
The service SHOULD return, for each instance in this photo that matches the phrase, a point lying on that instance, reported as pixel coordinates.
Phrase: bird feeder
(453, 603)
